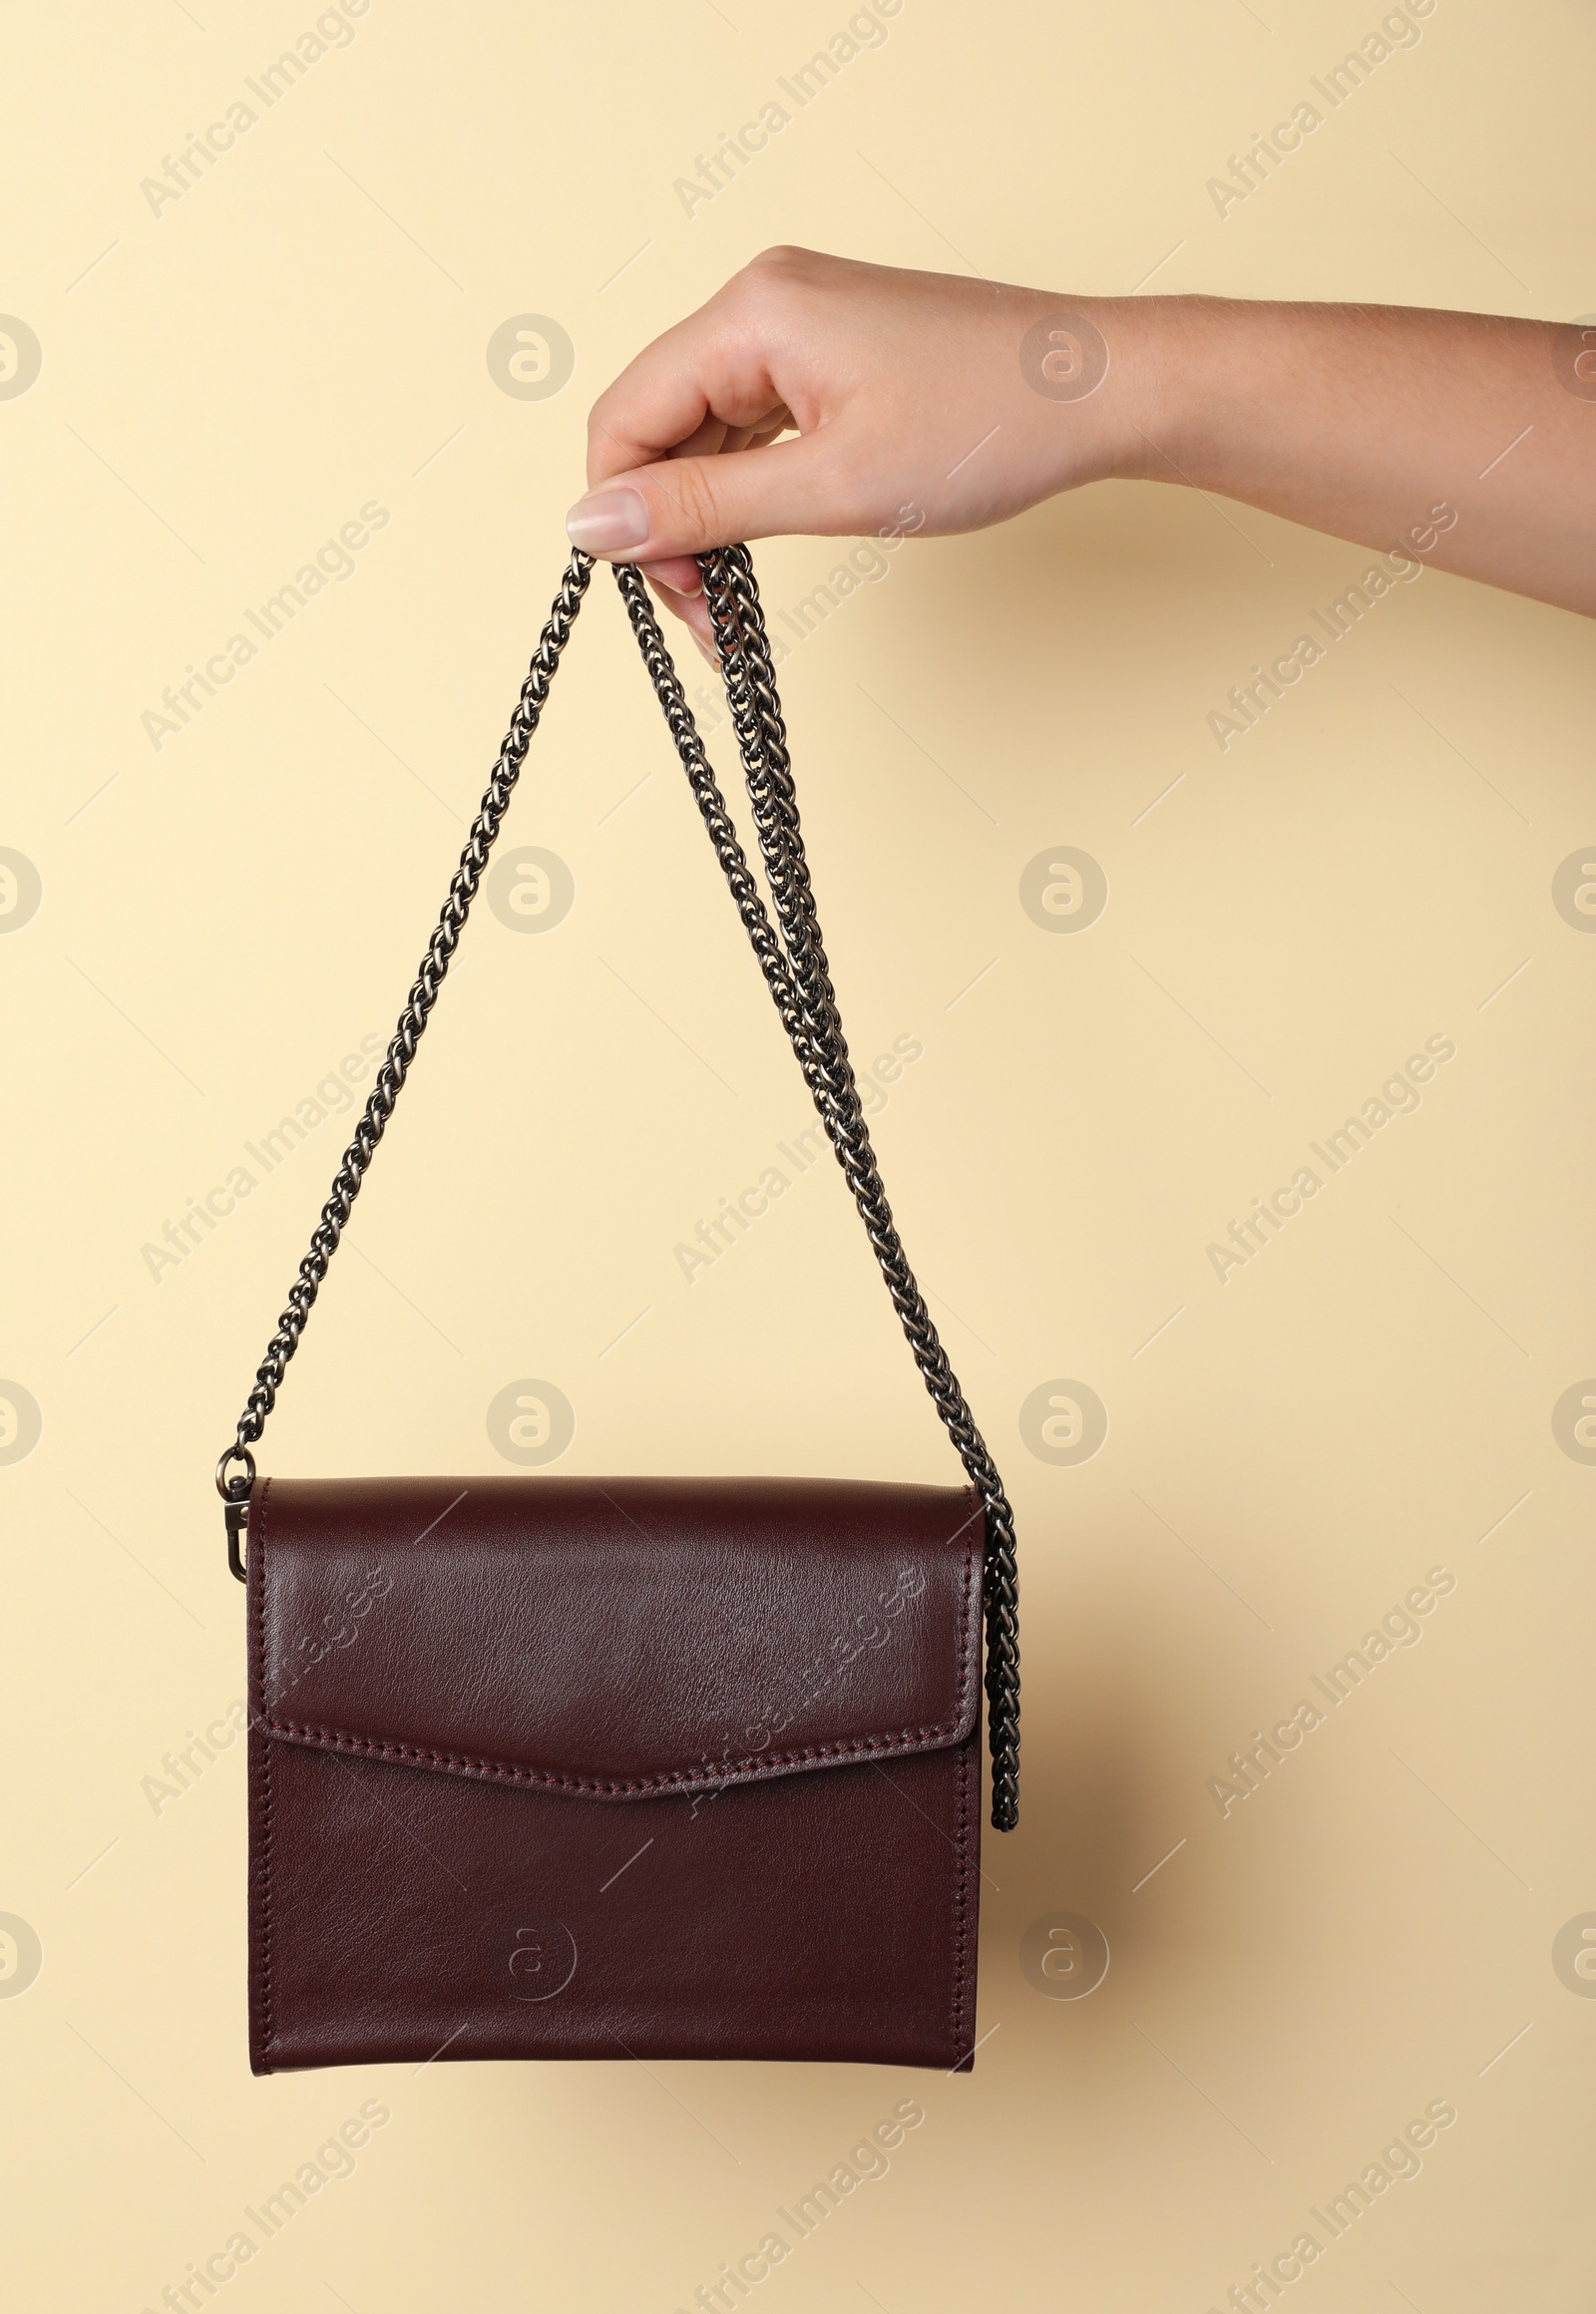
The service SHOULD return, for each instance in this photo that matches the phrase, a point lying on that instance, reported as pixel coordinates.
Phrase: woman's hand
(903, 389)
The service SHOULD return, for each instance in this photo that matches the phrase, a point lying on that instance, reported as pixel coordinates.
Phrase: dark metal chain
(235, 1488)
(799, 979)
(794, 964)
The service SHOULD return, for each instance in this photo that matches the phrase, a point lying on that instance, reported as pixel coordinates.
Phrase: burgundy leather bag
(560, 1766)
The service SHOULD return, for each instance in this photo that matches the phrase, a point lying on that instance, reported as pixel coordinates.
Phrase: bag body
(570, 1768)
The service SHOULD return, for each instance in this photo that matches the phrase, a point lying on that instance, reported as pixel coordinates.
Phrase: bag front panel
(399, 1915)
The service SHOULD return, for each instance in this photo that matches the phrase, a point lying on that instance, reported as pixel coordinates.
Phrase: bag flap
(614, 1638)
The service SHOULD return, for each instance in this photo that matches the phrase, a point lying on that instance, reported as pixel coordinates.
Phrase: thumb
(684, 506)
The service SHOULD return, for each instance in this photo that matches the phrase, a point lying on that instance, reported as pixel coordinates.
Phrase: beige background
(227, 384)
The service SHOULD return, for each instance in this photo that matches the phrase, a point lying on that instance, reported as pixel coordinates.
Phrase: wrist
(1154, 387)
(1114, 381)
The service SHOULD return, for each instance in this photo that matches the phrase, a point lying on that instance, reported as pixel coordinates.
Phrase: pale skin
(814, 395)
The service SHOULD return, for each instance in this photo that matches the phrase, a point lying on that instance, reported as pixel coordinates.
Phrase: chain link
(793, 962)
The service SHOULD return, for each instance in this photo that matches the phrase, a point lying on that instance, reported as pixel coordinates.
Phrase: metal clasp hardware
(237, 1521)
(234, 1493)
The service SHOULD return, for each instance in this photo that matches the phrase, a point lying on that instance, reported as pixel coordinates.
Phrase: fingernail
(709, 655)
(607, 519)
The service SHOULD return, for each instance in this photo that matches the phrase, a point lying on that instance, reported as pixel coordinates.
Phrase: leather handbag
(564, 1767)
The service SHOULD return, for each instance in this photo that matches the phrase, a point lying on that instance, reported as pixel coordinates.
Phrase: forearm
(1359, 419)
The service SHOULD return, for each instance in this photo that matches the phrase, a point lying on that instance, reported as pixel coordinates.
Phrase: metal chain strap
(793, 962)
(235, 1488)
(800, 984)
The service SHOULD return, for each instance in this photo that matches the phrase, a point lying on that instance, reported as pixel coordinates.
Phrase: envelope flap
(613, 1638)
